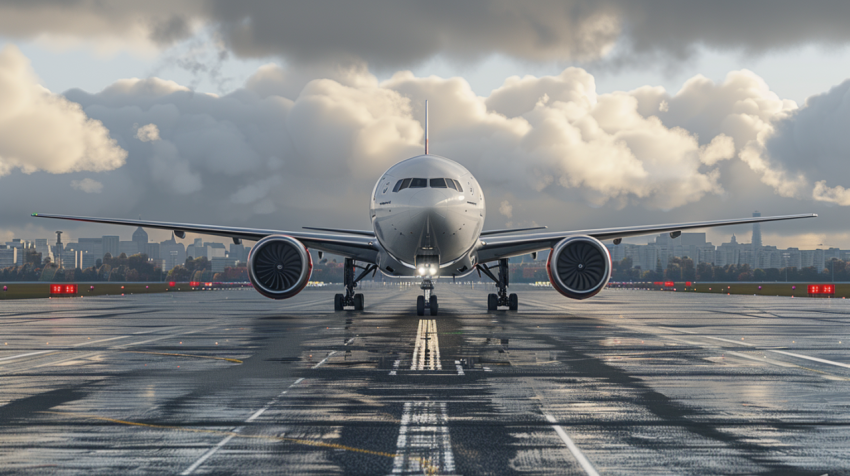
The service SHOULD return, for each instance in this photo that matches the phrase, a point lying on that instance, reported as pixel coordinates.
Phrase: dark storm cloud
(391, 34)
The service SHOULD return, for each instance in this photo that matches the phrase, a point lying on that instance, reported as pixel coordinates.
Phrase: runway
(228, 382)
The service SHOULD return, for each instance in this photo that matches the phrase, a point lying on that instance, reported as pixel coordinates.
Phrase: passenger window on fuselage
(451, 183)
(397, 186)
(418, 183)
(459, 188)
(438, 183)
(404, 184)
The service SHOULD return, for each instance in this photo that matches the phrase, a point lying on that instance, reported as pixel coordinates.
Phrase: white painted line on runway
(424, 445)
(209, 453)
(459, 367)
(427, 356)
(579, 456)
(27, 355)
(324, 360)
(227, 439)
(747, 344)
(101, 340)
(815, 359)
(395, 367)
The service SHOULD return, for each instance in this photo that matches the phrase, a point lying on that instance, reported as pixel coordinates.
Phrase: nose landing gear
(502, 298)
(350, 298)
(427, 300)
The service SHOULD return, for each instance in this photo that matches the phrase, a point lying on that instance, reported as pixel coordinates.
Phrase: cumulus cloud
(813, 144)
(506, 209)
(553, 146)
(44, 131)
(148, 133)
(87, 185)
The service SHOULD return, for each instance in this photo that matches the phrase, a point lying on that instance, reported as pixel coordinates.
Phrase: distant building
(129, 248)
(8, 256)
(140, 238)
(19, 245)
(215, 250)
(41, 246)
(218, 264)
(172, 253)
(110, 245)
(152, 250)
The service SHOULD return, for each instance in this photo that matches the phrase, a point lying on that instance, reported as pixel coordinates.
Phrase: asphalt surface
(228, 382)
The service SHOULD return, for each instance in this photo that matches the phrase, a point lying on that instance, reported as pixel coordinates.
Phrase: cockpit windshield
(423, 183)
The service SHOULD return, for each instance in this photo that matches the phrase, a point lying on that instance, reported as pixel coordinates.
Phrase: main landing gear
(427, 300)
(502, 298)
(350, 299)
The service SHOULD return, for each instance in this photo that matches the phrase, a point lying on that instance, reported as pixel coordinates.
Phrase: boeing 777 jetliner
(427, 215)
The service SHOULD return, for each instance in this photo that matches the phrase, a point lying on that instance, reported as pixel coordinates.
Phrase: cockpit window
(459, 188)
(418, 183)
(397, 186)
(404, 184)
(438, 183)
(451, 183)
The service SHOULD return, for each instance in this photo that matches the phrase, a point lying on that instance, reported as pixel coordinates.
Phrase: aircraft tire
(338, 302)
(492, 302)
(432, 303)
(420, 306)
(513, 302)
(358, 302)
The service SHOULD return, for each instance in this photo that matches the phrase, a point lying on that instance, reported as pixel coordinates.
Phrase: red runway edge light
(63, 289)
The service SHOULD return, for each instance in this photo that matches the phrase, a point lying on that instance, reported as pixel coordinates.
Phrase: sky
(571, 114)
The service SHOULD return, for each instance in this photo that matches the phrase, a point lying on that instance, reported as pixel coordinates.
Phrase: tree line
(683, 269)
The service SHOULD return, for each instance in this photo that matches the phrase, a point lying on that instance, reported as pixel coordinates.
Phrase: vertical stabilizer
(426, 127)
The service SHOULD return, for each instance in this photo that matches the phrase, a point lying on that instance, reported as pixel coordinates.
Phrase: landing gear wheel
(358, 302)
(492, 302)
(513, 302)
(338, 299)
(432, 303)
(420, 306)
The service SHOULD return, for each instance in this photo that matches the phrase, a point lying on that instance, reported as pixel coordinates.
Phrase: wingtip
(35, 214)
(814, 215)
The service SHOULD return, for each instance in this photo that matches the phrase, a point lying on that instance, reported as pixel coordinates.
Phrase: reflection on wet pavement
(230, 382)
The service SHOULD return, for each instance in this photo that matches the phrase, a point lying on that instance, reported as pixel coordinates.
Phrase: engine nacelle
(579, 267)
(279, 266)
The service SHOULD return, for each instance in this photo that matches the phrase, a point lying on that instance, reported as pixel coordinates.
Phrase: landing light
(433, 270)
(422, 270)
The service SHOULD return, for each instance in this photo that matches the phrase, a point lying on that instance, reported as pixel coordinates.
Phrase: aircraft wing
(361, 248)
(507, 246)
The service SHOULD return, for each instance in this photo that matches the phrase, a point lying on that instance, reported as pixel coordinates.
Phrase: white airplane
(427, 215)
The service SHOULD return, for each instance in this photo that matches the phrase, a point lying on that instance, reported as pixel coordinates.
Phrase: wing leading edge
(508, 246)
(361, 248)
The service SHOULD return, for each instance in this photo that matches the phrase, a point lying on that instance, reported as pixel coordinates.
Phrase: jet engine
(579, 267)
(279, 266)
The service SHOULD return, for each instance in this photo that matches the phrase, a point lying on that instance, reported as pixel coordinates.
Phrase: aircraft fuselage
(427, 213)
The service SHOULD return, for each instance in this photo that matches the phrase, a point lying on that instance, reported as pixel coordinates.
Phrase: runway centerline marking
(426, 349)
(577, 454)
(424, 445)
(235, 432)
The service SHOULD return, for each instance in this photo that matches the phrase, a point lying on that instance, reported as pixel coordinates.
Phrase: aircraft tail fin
(426, 127)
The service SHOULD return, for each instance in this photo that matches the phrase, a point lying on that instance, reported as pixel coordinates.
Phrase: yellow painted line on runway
(181, 355)
(232, 434)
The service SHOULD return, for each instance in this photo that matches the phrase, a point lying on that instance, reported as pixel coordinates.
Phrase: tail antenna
(426, 127)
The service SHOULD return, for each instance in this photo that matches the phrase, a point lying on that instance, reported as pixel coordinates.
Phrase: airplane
(427, 215)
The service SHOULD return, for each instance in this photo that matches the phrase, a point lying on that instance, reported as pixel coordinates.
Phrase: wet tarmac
(228, 382)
